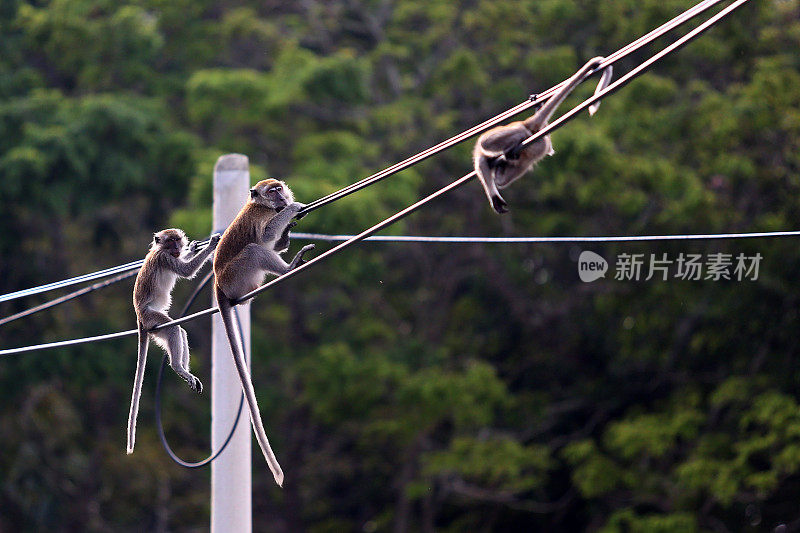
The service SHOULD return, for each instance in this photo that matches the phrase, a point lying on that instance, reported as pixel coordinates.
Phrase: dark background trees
(410, 386)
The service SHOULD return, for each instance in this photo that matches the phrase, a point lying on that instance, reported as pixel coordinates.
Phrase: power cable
(523, 240)
(81, 292)
(532, 102)
(135, 265)
(132, 266)
(71, 342)
(159, 381)
(411, 238)
(67, 297)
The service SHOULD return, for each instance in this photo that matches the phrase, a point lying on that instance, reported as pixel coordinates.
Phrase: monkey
(169, 258)
(498, 158)
(248, 250)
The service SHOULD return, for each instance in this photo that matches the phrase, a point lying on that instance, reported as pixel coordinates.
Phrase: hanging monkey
(498, 158)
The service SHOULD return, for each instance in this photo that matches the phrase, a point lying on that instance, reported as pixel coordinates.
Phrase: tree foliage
(405, 386)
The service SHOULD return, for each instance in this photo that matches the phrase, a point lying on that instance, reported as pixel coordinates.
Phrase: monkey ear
(253, 193)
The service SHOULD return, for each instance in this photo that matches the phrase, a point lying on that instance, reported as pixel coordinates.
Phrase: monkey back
(246, 228)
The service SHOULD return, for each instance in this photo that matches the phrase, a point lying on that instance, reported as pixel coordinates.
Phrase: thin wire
(79, 292)
(135, 265)
(70, 342)
(67, 297)
(521, 240)
(132, 266)
(408, 238)
(159, 424)
(534, 101)
(636, 72)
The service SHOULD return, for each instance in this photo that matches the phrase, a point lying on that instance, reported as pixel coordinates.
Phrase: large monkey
(152, 295)
(497, 158)
(249, 249)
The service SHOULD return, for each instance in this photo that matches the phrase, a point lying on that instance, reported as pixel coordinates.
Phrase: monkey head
(271, 193)
(170, 240)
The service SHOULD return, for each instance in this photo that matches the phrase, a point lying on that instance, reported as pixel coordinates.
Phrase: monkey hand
(193, 247)
(214, 240)
(297, 206)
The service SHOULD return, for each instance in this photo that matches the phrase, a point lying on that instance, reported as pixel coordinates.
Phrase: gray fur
(152, 295)
(497, 156)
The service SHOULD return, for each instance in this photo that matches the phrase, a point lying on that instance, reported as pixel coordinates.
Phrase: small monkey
(498, 158)
(152, 294)
(249, 249)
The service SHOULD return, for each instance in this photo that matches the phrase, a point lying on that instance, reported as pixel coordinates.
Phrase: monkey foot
(196, 385)
(499, 204)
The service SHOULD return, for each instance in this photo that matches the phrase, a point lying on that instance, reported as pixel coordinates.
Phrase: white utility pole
(231, 498)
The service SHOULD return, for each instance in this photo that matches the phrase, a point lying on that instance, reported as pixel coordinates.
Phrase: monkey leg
(257, 257)
(198, 385)
(173, 343)
(172, 339)
(298, 258)
(486, 175)
(505, 175)
(184, 358)
(243, 273)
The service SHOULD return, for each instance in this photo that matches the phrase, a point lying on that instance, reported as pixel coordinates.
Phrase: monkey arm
(276, 227)
(188, 267)
(539, 119)
(283, 243)
(192, 250)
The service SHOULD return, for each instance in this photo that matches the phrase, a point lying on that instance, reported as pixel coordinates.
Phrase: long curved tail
(141, 359)
(247, 385)
(605, 79)
(540, 118)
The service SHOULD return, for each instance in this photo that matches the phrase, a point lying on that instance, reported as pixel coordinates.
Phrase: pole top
(231, 162)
